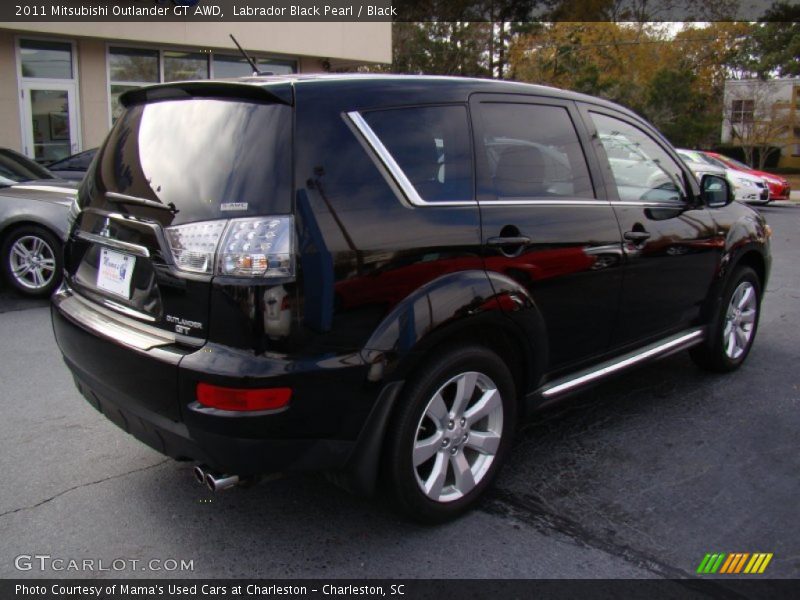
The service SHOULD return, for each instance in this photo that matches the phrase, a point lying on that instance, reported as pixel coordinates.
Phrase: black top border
(399, 10)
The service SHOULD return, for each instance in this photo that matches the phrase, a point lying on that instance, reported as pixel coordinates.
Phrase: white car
(700, 168)
(746, 187)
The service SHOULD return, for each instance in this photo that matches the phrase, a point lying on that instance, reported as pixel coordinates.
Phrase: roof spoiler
(281, 94)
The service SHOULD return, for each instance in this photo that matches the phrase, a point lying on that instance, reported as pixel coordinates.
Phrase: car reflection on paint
(390, 283)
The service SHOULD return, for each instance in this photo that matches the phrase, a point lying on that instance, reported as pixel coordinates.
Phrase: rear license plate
(115, 272)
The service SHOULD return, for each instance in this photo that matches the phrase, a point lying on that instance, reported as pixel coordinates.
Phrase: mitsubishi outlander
(380, 277)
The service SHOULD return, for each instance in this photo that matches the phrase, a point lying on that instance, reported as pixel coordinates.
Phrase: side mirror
(715, 191)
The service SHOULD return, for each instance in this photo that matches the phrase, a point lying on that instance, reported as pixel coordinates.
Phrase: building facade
(60, 82)
(764, 113)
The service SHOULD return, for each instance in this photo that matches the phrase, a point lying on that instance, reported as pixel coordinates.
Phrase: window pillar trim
(389, 164)
(391, 169)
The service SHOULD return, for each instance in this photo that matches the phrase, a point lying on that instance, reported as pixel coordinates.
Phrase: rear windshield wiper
(125, 199)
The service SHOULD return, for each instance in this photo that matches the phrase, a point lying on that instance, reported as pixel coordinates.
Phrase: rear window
(16, 168)
(210, 158)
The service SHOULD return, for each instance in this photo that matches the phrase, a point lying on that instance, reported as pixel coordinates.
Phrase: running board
(576, 381)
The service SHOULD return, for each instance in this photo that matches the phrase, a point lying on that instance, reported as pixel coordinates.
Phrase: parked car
(73, 167)
(699, 169)
(779, 188)
(381, 276)
(746, 187)
(34, 211)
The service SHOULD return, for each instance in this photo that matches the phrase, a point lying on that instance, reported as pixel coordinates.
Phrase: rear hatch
(182, 163)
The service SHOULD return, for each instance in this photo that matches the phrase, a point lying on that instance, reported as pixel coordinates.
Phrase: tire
(429, 412)
(32, 261)
(734, 325)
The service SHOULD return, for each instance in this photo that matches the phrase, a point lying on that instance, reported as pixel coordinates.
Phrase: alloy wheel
(32, 262)
(740, 320)
(458, 436)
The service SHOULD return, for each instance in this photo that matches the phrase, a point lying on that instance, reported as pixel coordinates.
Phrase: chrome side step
(659, 349)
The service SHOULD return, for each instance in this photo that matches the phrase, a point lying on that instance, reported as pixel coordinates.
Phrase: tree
(683, 113)
(675, 80)
(608, 59)
(773, 48)
(440, 48)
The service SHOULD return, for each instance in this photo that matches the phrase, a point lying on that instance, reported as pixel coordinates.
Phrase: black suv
(380, 276)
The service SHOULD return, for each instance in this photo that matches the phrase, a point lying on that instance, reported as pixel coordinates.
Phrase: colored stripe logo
(734, 563)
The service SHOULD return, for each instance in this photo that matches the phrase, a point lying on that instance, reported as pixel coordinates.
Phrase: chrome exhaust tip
(217, 483)
(199, 474)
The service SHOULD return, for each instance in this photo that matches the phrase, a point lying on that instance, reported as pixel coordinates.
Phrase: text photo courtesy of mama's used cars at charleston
(382, 277)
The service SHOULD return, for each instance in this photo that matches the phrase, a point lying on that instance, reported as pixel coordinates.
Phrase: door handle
(517, 240)
(636, 236)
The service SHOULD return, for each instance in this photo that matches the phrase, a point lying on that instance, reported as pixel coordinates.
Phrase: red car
(779, 188)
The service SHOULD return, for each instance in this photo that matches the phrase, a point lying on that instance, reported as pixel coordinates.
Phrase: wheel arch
(8, 227)
(494, 332)
(462, 308)
(755, 260)
(456, 309)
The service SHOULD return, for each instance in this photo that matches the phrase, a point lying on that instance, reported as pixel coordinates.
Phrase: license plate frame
(115, 272)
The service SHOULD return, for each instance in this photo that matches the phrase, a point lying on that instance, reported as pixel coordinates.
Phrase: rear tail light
(253, 247)
(257, 248)
(239, 399)
(194, 245)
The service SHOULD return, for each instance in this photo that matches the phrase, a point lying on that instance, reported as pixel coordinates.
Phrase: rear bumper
(225, 453)
(149, 393)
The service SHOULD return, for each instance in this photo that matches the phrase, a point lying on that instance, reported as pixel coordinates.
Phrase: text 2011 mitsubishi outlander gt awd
(381, 276)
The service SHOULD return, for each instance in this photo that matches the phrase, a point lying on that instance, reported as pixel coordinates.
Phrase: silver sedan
(34, 220)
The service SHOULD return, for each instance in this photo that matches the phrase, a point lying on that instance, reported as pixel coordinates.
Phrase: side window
(431, 145)
(642, 169)
(533, 151)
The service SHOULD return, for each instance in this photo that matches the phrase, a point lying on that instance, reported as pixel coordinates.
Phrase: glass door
(49, 124)
(49, 96)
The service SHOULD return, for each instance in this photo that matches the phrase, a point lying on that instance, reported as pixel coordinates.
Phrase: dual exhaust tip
(214, 481)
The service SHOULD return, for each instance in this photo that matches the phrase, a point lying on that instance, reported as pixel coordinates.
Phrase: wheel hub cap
(458, 436)
(740, 320)
(32, 262)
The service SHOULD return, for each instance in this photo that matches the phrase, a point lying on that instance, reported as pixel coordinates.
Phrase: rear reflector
(225, 398)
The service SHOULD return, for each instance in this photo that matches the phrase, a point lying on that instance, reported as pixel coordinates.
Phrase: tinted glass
(133, 65)
(15, 168)
(200, 154)
(179, 66)
(277, 66)
(52, 60)
(711, 160)
(116, 91)
(236, 66)
(77, 162)
(431, 144)
(51, 124)
(231, 66)
(643, 171)
(533, 151)
(737, 164)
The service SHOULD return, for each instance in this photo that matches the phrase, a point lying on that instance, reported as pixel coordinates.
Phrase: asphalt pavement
(637, 478)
